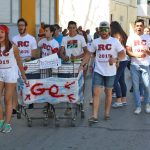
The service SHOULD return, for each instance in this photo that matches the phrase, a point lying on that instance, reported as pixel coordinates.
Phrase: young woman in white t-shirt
(119, 83)
(9, 59)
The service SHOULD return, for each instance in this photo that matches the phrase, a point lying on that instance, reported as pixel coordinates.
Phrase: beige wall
(125, 12)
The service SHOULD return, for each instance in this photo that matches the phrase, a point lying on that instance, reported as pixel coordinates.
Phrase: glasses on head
(104, 29)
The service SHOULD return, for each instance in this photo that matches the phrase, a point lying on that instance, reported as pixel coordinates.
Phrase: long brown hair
(117, 29)
(8, 44)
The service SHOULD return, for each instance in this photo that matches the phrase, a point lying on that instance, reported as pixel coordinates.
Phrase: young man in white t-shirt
(25, 42)
(108, 51)
(73, 47)
(48, 44)
(27, 46)
(138, 48)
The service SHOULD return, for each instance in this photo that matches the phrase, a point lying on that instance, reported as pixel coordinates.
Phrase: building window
(10, 11)
(45, 10)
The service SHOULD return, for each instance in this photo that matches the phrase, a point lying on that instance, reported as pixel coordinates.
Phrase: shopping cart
(56, 86)
(34, 74)
(71, 83)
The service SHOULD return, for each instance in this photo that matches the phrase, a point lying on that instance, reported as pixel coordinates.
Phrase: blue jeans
(119, 84)
(138, 73)
(103, 81)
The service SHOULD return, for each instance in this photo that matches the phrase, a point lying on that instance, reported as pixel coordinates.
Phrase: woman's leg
(117, 85)
(122, 82)
(8, 94)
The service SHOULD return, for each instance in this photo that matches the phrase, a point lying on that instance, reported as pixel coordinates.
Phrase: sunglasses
(104, 29)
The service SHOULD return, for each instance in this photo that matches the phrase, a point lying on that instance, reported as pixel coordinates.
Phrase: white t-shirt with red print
(138, 45)
(73, 45)
(48, 47)
(25, 45)
(105, 48)
(7, 60)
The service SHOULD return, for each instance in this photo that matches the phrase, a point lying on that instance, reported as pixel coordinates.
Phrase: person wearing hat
(9, 60)
(108, 51)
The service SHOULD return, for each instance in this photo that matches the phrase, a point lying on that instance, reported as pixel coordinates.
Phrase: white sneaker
(117, 104)
(137, 110)
(114, 95)
(147, 108)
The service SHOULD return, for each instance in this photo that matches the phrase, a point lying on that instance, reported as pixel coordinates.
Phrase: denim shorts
(103, 81)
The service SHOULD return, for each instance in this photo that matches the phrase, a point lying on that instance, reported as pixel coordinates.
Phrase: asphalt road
(125, 131)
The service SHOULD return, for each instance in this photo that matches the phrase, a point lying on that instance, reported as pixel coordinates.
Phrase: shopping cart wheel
(29, 123)
(50, 114)
(82, 114)
(18, 115)
(45, 122)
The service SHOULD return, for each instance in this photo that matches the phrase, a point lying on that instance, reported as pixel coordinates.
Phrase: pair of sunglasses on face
(104, 29)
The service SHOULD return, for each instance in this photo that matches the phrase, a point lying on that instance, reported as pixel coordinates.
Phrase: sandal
(106, 117)
(93, 120)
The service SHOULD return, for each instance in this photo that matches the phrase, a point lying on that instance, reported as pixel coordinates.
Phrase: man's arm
(136, 55)
(81, 55)
(85, 60)
(35, 53)
(121, 55)
(62, 54)
(19, 62)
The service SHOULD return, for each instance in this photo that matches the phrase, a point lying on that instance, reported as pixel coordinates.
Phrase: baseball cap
(104, 24)
(4, 28)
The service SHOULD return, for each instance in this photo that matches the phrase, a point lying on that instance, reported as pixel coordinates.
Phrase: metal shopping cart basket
(71, 85)
(34, 75)
(54, 88)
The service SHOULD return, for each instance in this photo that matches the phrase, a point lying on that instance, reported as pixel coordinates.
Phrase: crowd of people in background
(107, 54)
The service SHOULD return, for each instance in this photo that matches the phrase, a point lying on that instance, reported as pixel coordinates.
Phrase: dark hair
(117, 29)
(56, 26)
(51, 27)
(72, 22)
(22, 20)
(8, 44)
(139, 20)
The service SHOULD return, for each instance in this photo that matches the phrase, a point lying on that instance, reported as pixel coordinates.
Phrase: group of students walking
(110, 48)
